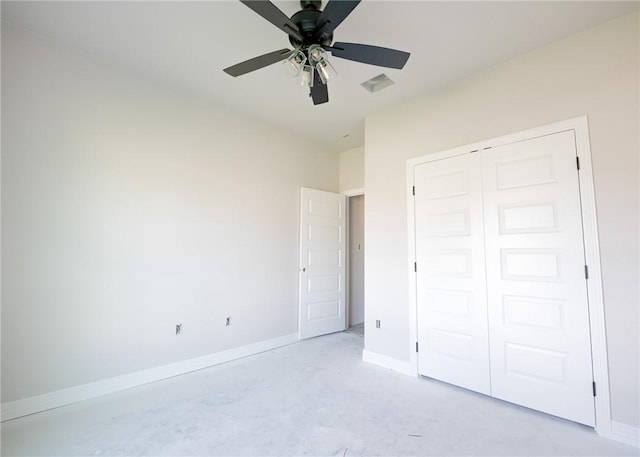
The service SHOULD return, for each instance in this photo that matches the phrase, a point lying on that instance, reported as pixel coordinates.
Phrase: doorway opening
(355, 268)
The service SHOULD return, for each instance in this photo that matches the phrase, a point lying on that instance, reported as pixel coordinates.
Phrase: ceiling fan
(310, 33)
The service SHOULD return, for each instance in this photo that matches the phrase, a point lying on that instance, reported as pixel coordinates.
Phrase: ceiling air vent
(377, 83)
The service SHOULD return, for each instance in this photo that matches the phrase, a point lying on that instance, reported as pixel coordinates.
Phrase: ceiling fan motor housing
(310, 4)
(307, 21)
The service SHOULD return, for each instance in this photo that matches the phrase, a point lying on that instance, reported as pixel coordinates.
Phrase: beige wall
(594, 73)
(352, 169)
(128, 208)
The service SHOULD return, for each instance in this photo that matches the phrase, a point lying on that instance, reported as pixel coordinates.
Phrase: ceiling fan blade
(258, 62)
(374, 55)
(333, 14)
(273, 14)
(319, 91)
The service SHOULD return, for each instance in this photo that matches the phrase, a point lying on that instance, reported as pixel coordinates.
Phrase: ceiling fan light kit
(310, 32)
(306, 76)
(320, 61)
(294, 64)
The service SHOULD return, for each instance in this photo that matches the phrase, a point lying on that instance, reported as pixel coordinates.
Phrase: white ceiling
(187, 44)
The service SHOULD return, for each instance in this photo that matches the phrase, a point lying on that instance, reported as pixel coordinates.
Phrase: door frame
(595, 299)
(348, 194)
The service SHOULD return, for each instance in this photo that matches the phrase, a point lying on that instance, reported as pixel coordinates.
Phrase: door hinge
(594, 388)
(413, 190)
(416, 346)
(578, 162)
(586, 272)
(415, 267)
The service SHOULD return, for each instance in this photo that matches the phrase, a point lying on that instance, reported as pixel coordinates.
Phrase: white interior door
(537, 295)
(451, 295)
(322, 263)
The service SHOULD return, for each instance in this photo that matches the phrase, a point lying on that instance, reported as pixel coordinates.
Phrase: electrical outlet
(178, 329)
(377, 323)
(228, 321)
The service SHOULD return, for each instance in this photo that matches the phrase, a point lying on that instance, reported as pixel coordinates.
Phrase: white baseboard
(624, 433)
(36, 404)
(400, 366)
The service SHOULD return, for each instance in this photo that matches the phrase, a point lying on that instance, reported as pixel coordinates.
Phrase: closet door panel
(539, 338)
(451, 284)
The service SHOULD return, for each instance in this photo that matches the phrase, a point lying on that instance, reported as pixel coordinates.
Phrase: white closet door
(537, 298)
(451, 284)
